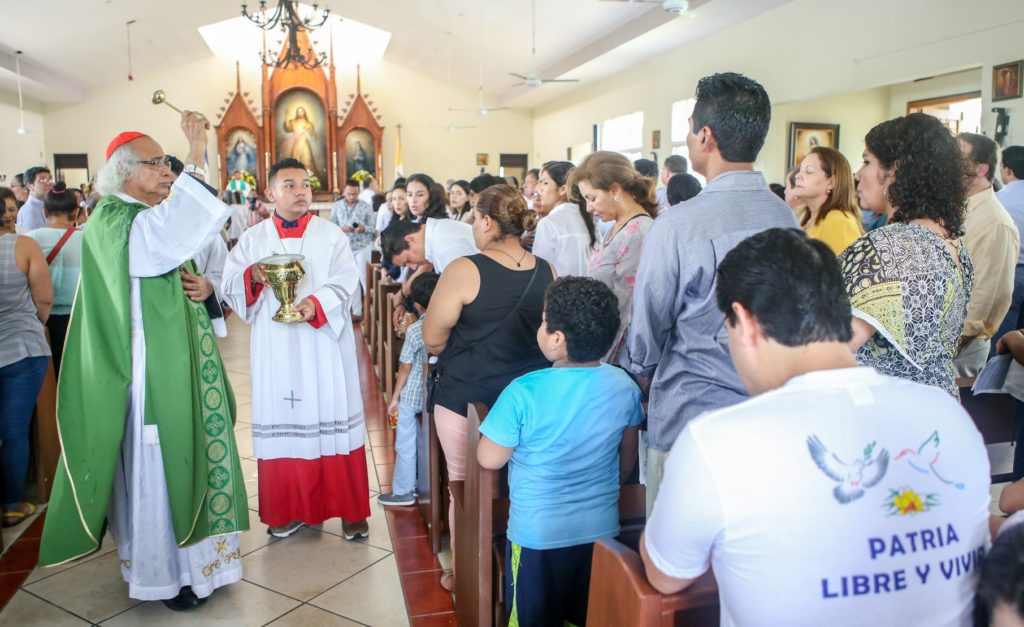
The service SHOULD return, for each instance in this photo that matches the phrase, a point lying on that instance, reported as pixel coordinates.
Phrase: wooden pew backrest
(621, 595)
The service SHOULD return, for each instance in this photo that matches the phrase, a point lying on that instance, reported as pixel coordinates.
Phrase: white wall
(854, 112)
(416, 101)
(20, 152)
(937, 87)
(853, 47)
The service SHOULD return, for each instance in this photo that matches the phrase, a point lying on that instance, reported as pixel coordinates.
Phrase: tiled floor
(312, 578)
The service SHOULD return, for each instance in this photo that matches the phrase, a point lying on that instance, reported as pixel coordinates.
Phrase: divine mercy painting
(301, 130)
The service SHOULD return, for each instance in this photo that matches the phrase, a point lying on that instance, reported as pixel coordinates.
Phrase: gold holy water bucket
(283, 273)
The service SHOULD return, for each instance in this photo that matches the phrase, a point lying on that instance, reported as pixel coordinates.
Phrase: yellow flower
(908, 502)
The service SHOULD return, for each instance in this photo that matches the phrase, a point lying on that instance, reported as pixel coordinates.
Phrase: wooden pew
(392, 349)
(384, 313)
(621, 595)
(369, 304)
(475, 564)
(994, 415)
(432, 480)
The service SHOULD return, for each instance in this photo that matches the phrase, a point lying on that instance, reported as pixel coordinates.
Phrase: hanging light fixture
(286, 17)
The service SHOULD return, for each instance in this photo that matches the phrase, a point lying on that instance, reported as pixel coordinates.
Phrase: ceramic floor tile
(307, 563)
(446, 619)
(249, 472)
(10, 534)
(309, 616)
(424, 594)
(372, 597)
(241, 603)
(108, 546)
(243, 438)
(379, 535)
(406, 522)
(27, 610)
(414, 555)
(257, 537)
(93, 590)
(21, 557)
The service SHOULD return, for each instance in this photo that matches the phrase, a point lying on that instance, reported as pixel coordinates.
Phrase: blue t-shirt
(566, 426)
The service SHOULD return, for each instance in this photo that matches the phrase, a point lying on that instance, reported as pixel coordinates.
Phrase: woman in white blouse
(615, 192)
(566, 234)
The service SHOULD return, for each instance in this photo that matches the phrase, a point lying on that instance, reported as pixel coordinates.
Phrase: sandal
(15, 518)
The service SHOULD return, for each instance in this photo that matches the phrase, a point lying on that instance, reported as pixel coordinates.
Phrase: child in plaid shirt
(407, 398)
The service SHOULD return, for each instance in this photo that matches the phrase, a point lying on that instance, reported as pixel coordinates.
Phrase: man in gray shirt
(677, 339)
(357, 221)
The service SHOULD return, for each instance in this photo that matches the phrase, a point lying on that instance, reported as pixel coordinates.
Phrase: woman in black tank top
(483, 320)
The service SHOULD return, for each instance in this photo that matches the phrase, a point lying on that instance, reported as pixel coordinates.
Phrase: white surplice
(306, 401)
(162, 238)
(210, 264)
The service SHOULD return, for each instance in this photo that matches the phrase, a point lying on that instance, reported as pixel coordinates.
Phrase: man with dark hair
(994, 244)
(676, 340)
(844, 475)
(19, 189)
(39, 182)
(646, 168)
(481, 182)
(567, 433)
(437, 241)
(681, 188)
(356, 219)
(1012, 198)
(308, 431)
(674, 164)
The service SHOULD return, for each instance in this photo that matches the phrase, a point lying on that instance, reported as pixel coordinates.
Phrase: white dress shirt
(446, 240)
(563, 241)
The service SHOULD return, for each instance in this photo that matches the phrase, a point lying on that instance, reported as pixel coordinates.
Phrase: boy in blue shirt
(407, 398)
(561, 430)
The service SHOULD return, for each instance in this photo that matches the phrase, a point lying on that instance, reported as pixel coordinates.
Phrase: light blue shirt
(31, 216)
(66, 267)
(566, 426)
(677, 334)
(1012, 197)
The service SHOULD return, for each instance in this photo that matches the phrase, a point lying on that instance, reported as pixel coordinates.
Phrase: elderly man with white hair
(145, 410)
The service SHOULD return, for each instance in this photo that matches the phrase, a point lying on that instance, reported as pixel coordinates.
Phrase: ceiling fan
(480, 110)
(533, 79)
(676, 7)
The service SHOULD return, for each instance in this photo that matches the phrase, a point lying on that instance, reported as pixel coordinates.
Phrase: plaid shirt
(414, 352)
(359, 213)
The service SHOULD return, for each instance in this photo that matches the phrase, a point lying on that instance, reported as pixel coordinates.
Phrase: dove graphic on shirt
(853, 477)
(926, 458)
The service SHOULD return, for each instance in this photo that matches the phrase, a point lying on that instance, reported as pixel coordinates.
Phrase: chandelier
(286, 17)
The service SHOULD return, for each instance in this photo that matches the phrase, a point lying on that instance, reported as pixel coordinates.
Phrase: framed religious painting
(300, 130)
(360, 153)
(1006, 83)
(803, 136)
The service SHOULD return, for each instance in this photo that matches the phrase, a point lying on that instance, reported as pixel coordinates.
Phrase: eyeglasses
(43, 179)
(156, 162)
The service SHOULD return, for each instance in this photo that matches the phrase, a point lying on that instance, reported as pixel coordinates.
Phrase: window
(624, 134)
(681, 112)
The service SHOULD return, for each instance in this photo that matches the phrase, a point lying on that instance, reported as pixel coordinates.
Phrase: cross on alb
(292, 398)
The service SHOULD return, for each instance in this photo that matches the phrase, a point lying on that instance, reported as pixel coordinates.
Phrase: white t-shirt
(447, 240)
(844, 497)
(563, 240)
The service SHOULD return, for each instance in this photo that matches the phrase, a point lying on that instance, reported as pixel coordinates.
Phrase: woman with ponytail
(613, 191)
(61, 242)
(566, 235)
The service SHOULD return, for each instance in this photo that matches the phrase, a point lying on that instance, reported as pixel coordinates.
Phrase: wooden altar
(299, 118)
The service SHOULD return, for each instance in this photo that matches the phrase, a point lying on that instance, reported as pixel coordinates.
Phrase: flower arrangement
(314, 181)
(361, 176)
(249, 178)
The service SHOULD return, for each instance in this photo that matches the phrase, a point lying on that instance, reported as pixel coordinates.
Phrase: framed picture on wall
(806, 135)
(1006, 83)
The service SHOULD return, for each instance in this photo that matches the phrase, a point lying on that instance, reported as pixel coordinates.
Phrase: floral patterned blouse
(902, 280)
(614, 263)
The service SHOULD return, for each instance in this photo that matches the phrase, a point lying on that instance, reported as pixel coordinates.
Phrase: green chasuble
(187, 395)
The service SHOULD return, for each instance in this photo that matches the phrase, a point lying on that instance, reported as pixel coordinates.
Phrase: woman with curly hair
(909, 282)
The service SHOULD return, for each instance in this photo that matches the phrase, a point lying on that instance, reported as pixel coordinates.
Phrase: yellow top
(838, 229)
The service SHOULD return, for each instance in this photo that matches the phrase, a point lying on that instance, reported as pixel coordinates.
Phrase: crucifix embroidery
(292, 398)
